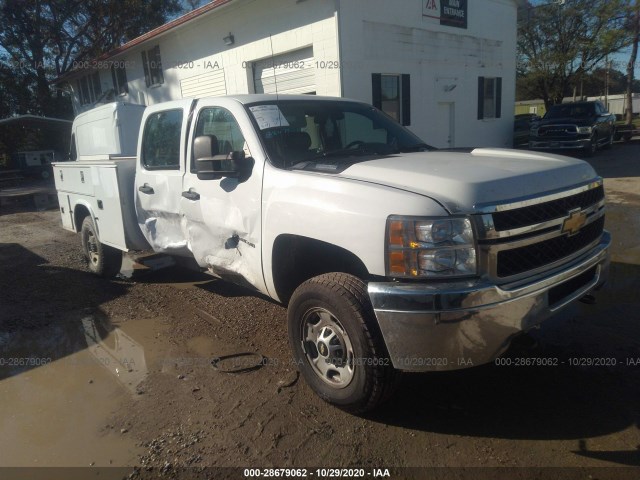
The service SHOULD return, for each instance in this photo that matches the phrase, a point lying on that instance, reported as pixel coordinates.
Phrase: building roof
(156, 32)
(166, 27)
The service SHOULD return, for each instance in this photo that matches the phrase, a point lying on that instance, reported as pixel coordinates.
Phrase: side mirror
(211, 165)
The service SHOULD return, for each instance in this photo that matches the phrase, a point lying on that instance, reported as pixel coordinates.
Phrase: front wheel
(337, 345)
(102, 259)
(592, 147)
(611, 139)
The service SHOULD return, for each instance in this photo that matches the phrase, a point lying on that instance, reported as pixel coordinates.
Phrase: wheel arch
(296, 259)
(80, 211)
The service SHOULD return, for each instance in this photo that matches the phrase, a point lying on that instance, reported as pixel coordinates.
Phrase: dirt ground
(97, 373)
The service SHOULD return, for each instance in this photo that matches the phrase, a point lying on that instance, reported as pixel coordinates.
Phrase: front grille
(530, 257)
(522, 217)
(562, 291)
(557, 130)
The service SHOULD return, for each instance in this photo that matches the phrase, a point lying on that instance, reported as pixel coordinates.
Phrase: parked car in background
(626, 132)
(584, 126)
(35, 163)
(521, 126)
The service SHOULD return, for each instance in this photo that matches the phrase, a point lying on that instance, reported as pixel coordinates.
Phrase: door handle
(191, 195)
(146, 189)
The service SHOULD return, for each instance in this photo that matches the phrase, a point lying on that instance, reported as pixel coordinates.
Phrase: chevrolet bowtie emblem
(574, 222)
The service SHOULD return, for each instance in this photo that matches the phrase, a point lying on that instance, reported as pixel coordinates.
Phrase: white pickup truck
(391, 255)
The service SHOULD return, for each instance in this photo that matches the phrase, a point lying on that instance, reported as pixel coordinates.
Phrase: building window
(392, 95)
(161, 140)
(83, 91)
(89, 88)
(152, 66)
(489, 97)
(119, 77)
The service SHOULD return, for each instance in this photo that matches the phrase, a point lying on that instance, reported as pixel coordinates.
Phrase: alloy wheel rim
(328, 348)
(92, 248)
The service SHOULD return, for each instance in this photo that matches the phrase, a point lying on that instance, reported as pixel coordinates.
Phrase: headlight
(584, 130)
(430, 248)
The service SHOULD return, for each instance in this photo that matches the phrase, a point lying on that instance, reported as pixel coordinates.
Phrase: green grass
(635, 122)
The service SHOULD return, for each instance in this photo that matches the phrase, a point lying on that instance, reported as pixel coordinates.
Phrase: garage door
(209, 84)
(292, 72)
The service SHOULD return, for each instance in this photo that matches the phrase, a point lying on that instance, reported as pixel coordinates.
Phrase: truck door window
(161, 140)
(220, 123)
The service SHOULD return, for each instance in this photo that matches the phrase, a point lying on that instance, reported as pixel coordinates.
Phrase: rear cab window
(161, 140)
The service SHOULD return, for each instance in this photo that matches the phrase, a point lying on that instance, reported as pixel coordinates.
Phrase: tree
(15, 96)
(560, 42)
(193, 4)
(43, 39)
(635, 28)
(595, 82)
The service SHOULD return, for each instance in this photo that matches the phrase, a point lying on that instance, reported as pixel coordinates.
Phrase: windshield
(329, 136)
(571, 111)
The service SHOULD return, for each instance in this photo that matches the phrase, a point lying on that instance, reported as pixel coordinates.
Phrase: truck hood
(466, 182)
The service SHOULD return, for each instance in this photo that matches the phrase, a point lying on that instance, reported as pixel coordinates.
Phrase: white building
(444, 68)
(618, 103)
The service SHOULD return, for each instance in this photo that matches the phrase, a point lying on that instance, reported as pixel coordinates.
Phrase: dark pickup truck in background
(584, 126)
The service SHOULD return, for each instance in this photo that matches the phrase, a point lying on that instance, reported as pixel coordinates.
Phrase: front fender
(350, 214)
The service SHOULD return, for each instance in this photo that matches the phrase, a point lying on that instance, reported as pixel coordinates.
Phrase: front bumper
(449, 326)
(560, 144)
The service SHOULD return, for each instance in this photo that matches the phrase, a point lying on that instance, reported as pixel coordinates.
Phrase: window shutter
(405, 93)
(145, 65)
(116, 88)
(96, 85)
(498, 97)
(376, 90)
(480, 98)
(156, 68)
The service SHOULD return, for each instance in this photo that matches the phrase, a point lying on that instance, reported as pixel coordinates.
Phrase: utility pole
(631, 65)
(606, 83)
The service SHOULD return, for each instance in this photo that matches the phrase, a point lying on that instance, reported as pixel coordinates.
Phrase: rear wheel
(337, 345)
(102, 259)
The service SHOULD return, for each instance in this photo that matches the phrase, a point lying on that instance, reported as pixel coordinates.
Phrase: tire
(592, 146)
(337, 345)
(102, 260)
(609, 143)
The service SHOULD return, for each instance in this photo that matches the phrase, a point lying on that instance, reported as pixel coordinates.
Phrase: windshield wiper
(343, 152)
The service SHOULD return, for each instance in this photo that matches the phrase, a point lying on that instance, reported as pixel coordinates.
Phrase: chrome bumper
(449, 326)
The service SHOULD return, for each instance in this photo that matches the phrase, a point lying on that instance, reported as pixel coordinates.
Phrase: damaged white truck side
(391, 255)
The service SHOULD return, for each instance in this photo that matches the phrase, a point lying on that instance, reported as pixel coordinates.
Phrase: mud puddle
(60, 385)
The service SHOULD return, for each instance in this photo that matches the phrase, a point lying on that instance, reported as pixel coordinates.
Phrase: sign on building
(451, 13)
